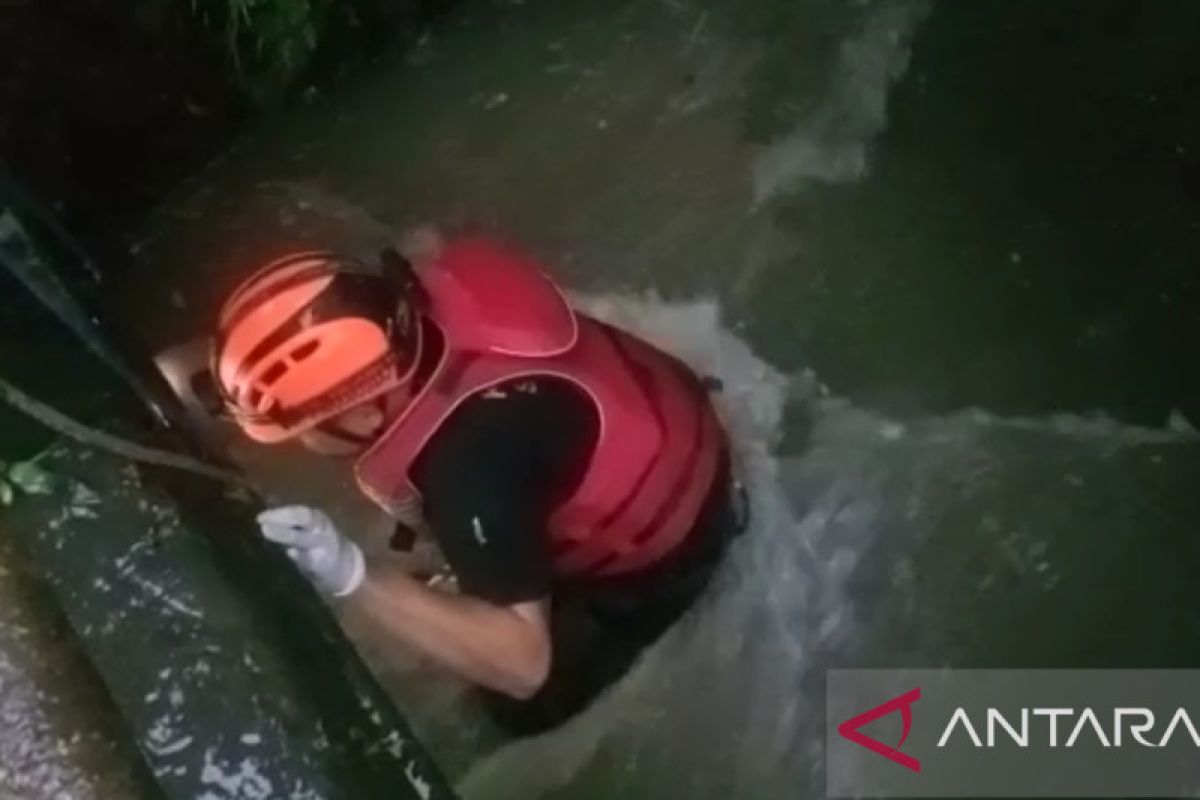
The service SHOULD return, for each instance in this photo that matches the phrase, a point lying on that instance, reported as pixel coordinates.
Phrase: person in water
(576, 479)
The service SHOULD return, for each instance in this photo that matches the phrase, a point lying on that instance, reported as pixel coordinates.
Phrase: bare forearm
(502, 648)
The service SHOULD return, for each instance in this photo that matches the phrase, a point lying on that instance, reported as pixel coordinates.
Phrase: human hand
(327, 558)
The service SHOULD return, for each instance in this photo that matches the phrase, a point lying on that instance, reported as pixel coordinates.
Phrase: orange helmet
(308, 337)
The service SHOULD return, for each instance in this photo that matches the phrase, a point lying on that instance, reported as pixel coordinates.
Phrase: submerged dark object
(235, 680)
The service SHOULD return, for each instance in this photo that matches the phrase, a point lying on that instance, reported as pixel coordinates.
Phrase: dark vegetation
(104, 106)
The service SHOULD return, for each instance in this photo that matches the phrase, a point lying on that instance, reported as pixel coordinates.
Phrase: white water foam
(717, 707)
(832, 145)
(741, 634)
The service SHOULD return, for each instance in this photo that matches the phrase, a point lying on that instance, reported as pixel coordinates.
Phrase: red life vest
(659, 441)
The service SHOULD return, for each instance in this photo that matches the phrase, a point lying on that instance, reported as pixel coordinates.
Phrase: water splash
(832, 145)
(729, 702)
(738, 617)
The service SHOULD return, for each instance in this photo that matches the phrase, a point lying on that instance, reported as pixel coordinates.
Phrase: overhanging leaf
(30, 478)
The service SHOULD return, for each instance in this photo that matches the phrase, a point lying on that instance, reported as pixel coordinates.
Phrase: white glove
(330, 560)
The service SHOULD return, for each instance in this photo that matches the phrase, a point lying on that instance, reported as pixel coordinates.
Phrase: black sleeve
(486, 503)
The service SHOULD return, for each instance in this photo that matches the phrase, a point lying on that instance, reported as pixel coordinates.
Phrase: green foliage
(270, 41)
(25, 476)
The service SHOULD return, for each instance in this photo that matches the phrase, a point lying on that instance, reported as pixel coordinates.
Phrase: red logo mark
(850, 729)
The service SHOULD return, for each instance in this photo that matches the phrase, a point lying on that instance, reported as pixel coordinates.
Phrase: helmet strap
(399, 272)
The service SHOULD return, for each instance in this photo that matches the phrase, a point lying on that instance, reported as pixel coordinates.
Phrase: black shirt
(491, 475)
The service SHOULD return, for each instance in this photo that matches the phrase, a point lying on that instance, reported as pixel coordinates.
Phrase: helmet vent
(305, 350)
(274, 373)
